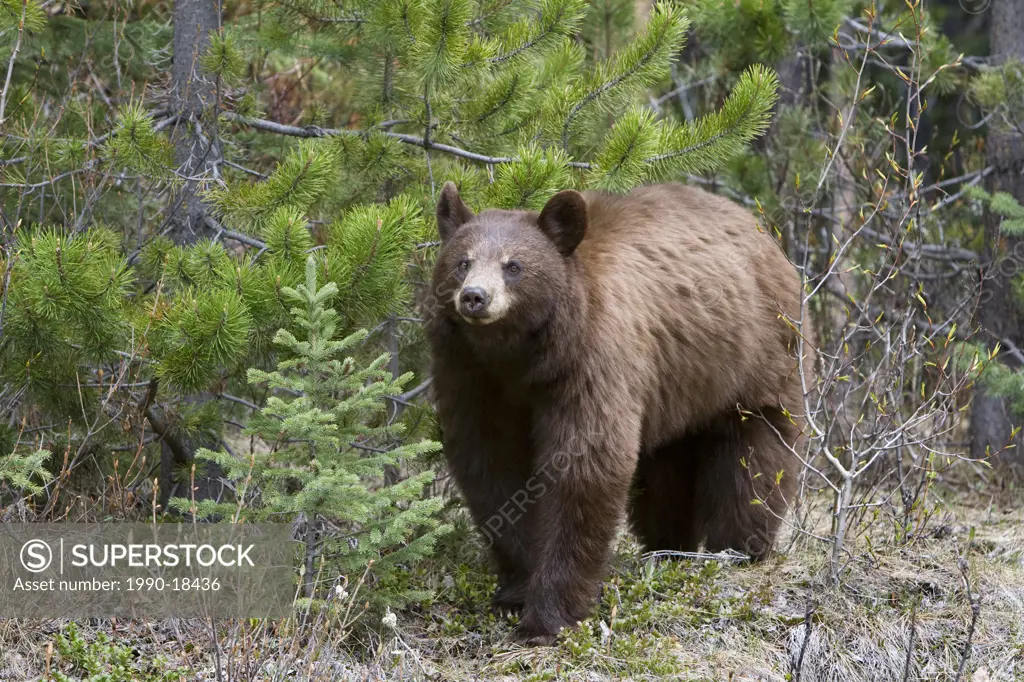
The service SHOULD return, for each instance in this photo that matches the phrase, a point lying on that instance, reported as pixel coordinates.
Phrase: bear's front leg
(494, 482)
(486, 443)
(587, 457)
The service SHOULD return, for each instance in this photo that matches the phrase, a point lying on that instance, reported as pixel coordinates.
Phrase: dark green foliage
(744, 32)
(302, 177)
(1001, 92)
(199, 334)
(135, 144)
(66, 306)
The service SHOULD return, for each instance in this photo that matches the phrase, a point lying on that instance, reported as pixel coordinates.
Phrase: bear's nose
(473, 301)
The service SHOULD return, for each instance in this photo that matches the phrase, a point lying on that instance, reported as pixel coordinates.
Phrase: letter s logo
(36, 556)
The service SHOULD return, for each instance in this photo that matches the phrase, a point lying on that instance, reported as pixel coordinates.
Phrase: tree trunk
(193, 97)
(998, 313)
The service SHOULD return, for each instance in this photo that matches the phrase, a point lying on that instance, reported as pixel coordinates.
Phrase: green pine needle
(706, 144)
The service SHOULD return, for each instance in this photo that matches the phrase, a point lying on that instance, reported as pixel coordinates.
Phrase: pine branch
(180, 452)
(500, 104)
(231, 234)
(57, 178)
(666, 28)
(316, 132)
(241, 401)
(594, 94)
(247, 171)
(91, 164)
(407, 397)
(703, 144)
(752, 99)
(562, 22)
(306, 14)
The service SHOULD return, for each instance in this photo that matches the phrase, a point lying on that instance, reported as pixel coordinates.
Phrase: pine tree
(325, 440)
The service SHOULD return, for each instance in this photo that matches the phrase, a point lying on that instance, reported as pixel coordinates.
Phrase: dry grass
(658, 620)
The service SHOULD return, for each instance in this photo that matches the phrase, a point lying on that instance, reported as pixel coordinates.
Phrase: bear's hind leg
(661, 501)
(745, 476)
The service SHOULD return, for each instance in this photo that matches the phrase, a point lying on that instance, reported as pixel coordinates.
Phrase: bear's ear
(452, 213)
(564, 220)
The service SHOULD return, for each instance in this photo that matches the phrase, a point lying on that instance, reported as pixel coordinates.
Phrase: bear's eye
(464, 264)
(513, 267)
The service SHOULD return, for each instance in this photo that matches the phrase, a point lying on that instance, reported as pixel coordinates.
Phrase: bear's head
(506, 270)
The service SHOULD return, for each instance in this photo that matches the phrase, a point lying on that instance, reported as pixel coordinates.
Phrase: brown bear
(612, 357)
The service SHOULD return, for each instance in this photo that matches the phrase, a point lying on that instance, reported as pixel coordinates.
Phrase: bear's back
(676, 223)
(683, 283)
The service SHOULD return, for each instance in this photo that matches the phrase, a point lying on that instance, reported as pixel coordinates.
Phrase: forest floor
(947, 605)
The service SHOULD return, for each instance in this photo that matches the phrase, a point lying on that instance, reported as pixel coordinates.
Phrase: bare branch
(316, 131)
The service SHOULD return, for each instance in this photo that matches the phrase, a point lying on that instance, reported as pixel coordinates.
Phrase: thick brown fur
(645, 372)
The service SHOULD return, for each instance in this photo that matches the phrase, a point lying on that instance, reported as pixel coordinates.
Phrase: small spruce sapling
(328, 444)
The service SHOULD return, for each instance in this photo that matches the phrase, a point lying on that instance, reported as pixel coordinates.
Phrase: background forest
(216, 238)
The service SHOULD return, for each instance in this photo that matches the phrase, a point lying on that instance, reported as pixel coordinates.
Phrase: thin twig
(910, 645)
(808, 622)
(975, 601)
(14, 57)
